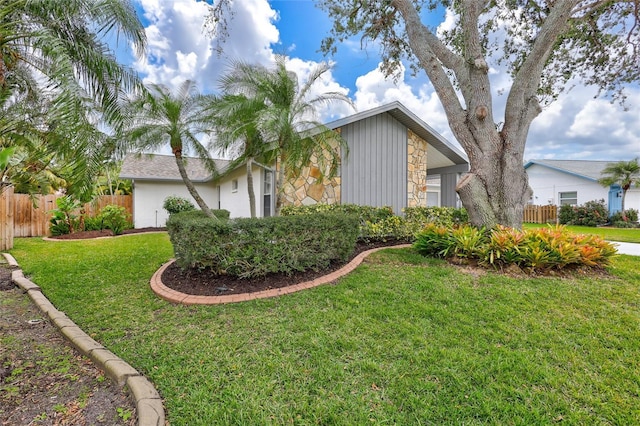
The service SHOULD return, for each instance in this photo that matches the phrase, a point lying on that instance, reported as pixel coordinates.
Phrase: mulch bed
(205, 283)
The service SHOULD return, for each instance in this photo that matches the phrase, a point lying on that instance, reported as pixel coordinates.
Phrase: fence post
(6, 219)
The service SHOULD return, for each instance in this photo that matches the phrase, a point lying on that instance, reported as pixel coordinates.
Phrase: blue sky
(577, 126)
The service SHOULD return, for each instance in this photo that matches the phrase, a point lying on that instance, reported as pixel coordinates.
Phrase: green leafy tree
(288, 121)
(544, 44)
(158, 117)
(623, 173)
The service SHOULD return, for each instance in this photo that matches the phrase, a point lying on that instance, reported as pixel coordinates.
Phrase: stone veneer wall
(308, 188)
(416, 171)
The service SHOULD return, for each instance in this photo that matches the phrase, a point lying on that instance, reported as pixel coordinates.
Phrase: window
(569, 198)
(266, 200)
(234, 185)
(267, 181)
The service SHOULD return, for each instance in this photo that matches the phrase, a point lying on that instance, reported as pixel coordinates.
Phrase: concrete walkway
(627, 248)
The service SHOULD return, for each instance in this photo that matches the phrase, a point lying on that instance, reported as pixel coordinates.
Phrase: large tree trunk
(252, 195)
(190, 186)
(496, 188)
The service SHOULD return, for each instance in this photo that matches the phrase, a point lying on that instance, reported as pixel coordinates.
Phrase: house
(394, 159)
(155, 177)
(575, 182)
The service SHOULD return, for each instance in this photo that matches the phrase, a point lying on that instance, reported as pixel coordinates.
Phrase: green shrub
(591, 213)
(115, 218)
(174, 204)
(623, 224)
(193, 214)
(389, 228)
(565, 215)
(64, 220)
(93, 224)
(448, 216)
(248, 248)
(631, 215)
(534, 249)
(364, 213)
(376, 223)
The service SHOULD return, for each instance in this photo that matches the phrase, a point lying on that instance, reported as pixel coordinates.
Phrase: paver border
(147, 399)
(174, 296)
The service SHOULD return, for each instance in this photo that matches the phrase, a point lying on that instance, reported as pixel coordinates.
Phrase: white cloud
(374, 89)
(326, 84)
(180, 47)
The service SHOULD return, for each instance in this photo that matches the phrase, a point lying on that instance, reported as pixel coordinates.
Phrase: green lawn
(402, 340)
(625, 235)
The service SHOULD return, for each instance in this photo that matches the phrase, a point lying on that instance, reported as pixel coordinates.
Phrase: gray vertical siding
(448, 182)
(375, 172)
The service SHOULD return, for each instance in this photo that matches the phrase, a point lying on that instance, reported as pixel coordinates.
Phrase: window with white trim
(234, 185)
(568, 198)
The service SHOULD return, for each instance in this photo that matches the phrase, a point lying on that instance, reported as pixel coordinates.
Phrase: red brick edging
(187, 299)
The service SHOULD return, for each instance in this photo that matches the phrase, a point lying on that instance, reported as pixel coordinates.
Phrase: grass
(401, 340)
(625, 235)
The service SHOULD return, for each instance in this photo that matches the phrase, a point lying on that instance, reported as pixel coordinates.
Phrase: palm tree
(57, 75)
(62, 41)
(288, 122)
(158, 116)
(623, 173)
(235, 119)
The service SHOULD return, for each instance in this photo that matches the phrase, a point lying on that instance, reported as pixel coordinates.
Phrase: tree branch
(433, 55)
(527, 80)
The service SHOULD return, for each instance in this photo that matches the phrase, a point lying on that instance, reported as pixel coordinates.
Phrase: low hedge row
(248, 248)
(380, 224)
(534, 249)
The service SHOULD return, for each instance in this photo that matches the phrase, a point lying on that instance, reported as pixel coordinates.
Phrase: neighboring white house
(394, 159)
(575, 182)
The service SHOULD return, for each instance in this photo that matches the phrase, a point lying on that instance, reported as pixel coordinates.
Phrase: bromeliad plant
(534, 250)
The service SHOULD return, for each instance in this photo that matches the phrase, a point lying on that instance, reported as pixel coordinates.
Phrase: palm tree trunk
(279, 189)
(190, 186)
(252, 195)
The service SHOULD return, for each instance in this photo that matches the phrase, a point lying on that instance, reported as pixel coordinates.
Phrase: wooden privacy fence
(6, 218)
(540, 214)
(20, 216)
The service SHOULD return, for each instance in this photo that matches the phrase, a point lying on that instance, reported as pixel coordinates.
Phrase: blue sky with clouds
(577, 126)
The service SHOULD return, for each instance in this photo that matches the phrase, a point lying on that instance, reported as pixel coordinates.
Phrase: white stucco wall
(547, 184)
(148, 198)
(632, 201)
(237, 202)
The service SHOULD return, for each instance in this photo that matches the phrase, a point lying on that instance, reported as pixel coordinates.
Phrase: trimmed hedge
(364, 213)
(448, 216)
(248, 248)
(380, 224)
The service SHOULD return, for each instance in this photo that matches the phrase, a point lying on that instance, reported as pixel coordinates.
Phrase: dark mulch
(43, 380)
(205, 283)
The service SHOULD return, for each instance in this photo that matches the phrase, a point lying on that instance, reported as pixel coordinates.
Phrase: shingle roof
(163, 167)
(587, 169)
